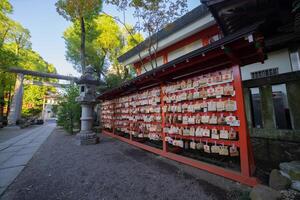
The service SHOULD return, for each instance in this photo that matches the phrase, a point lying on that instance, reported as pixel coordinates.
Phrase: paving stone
(5, 156)
(12, 149)
(22, 143)
(2, 189)
(8, 175)
(17, 160)
(16, 152)
(3, 146)
(28, 150)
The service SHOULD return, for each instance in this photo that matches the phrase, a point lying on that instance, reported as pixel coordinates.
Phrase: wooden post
(162, 104)
(243, 129)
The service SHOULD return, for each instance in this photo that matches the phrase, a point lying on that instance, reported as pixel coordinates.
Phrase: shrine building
(218, 90)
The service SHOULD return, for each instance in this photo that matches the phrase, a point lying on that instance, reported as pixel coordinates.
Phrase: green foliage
(69, 111)
(19, 37)
(34, 95)
(94, 55)
(15, 50)
(109, 33)
(33, 100)
(5, 8)
(82, 11)
(7, 57)
(105, 42)
(152, 15)
(73, 10)
(118, 73)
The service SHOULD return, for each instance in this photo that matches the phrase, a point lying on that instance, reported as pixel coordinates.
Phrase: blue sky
(46, 28)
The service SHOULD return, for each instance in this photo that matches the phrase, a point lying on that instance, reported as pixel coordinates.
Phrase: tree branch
(130, 33)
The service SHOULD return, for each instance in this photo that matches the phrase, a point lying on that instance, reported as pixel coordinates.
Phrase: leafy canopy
(94, 54)
(105, 41)
(75, 9)
(15, 50)
(5, 8)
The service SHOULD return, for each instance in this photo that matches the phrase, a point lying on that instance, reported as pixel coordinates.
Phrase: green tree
(34, 95)
(105, 42)
(79, 10)
(19, 38)
(153, 16)
(15, 50)
(94, 54)
(5, 21)
(7, 56)
(118, 73)
(5, 8)
(69, 111)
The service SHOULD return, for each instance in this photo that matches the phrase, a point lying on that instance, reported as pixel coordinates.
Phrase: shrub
(69, 111)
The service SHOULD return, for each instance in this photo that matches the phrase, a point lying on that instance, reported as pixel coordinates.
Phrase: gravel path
(110, 170)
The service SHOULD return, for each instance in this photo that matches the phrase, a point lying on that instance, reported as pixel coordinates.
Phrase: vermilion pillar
(246, 161)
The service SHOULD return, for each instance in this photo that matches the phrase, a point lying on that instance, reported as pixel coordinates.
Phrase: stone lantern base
(85, 138)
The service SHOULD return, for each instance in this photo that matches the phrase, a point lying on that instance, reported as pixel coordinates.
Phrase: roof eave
(180, 23)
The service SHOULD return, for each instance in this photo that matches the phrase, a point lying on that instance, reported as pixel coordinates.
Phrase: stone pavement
(7, 133)
(16, 152)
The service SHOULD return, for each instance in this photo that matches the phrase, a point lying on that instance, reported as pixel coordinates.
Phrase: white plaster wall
(201, 24)
(146, 66)
(184, 50)
(160, 61)
(175, 54)
(277, 59)
(149, 67)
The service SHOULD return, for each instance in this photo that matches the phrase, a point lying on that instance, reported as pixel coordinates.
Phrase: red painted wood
(165, 58)
(162, 104)
(206, 139)
(243, 130)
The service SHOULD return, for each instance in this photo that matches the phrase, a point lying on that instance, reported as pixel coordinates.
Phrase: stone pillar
(16, 105)
(268, 115)
(293, 100)
(248, 107)
(86, 118)
(87, 99)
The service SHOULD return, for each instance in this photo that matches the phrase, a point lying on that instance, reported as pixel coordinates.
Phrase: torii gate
(16, 105)
(87, 99)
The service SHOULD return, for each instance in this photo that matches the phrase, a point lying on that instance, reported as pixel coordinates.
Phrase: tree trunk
(2, 89)
(71, 122)
(82, 47)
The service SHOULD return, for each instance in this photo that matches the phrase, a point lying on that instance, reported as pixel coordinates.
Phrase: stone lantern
(87, 100)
